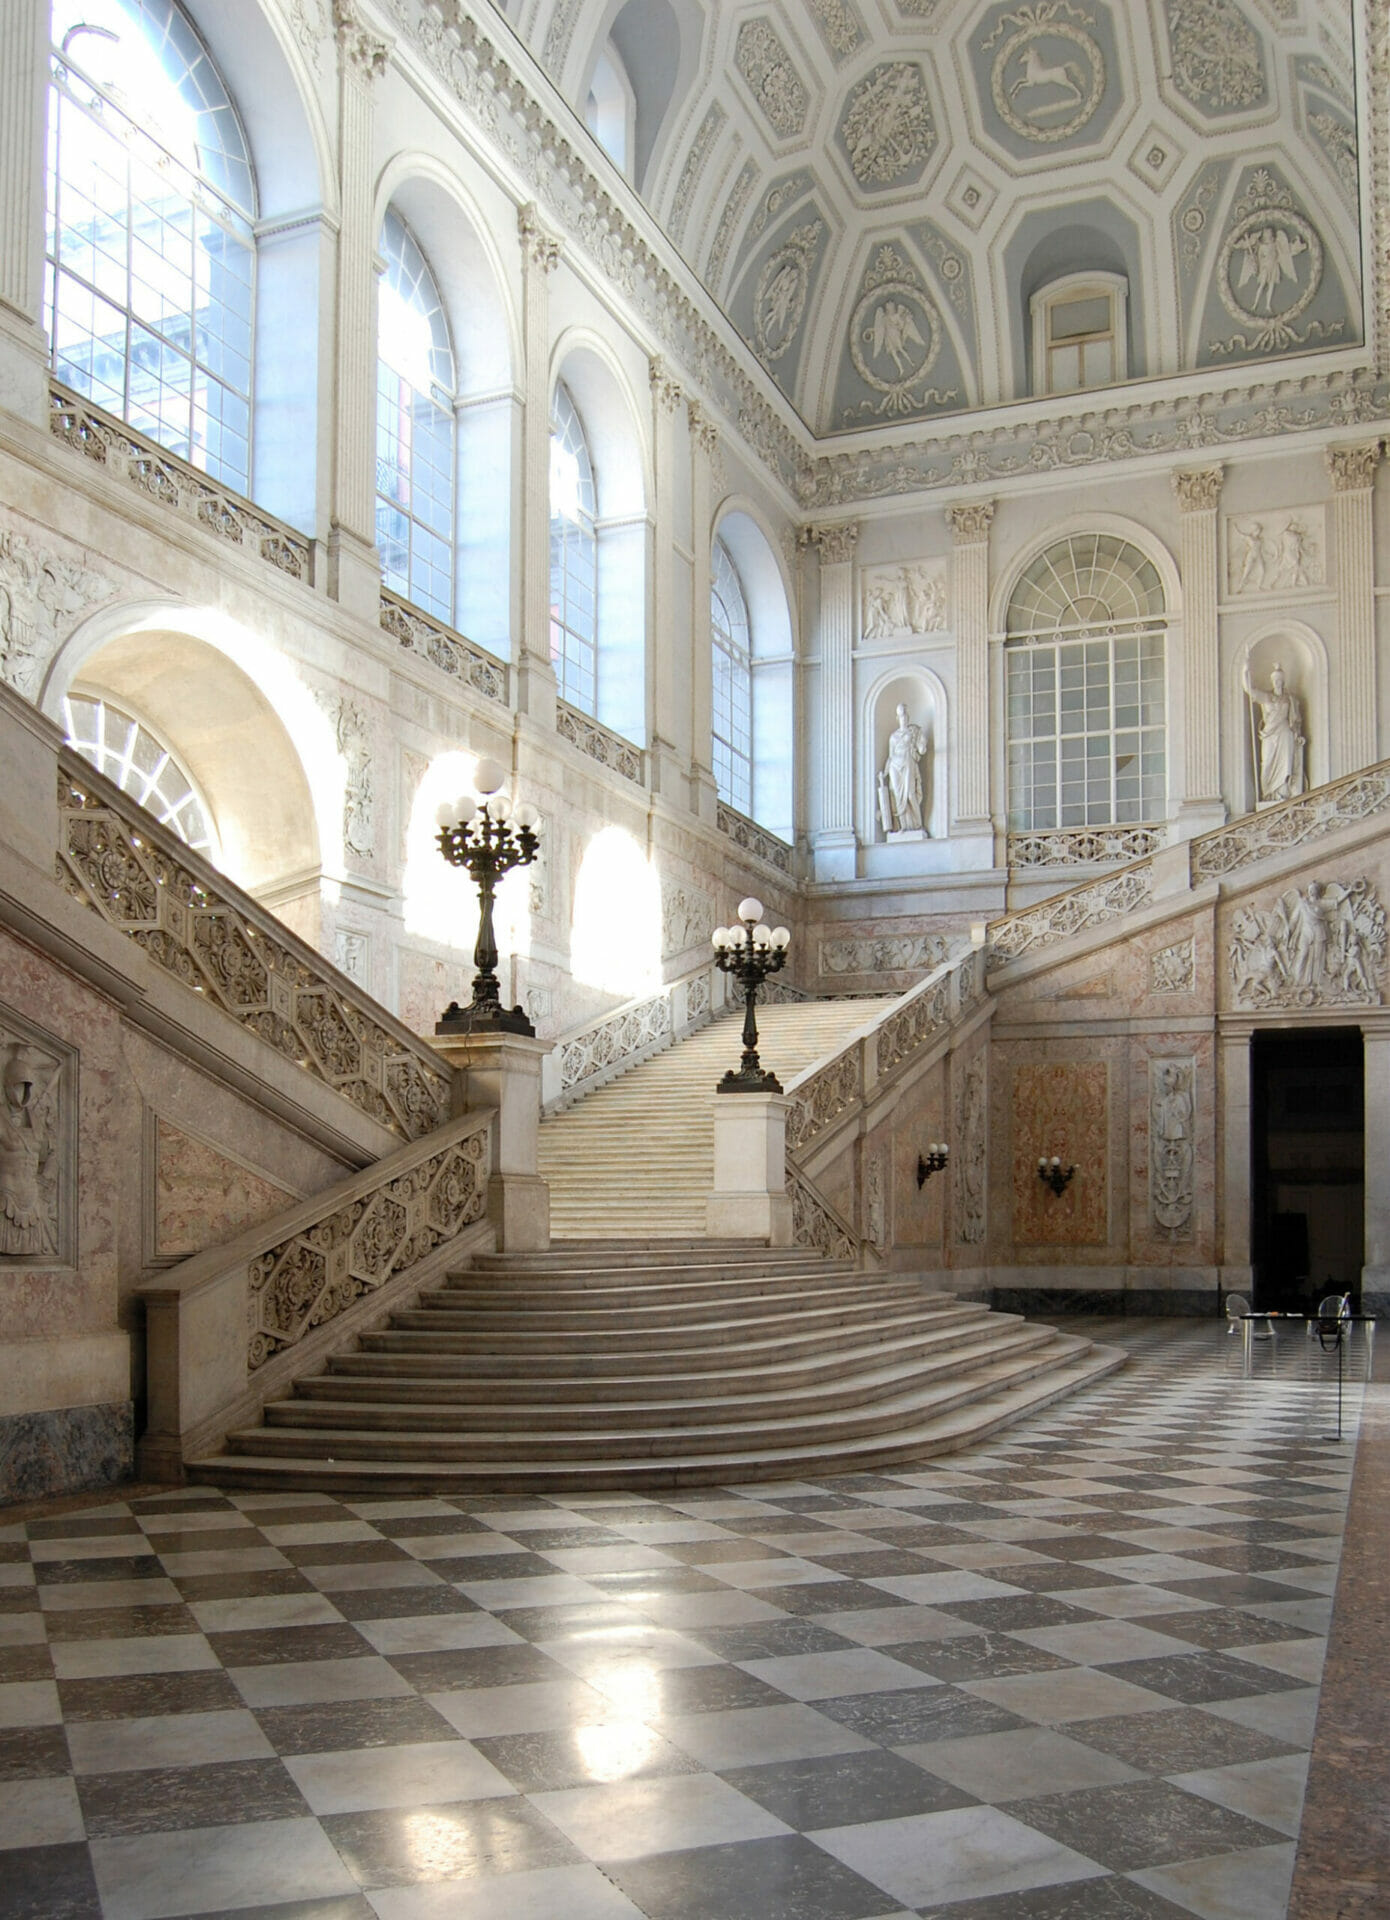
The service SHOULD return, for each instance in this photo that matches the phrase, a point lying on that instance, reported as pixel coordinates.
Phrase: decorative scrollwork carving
(320, 1271)
(129, 456)
(815, 1223)
(420, 633)
(198, 929)
(1069, 913)
(754, 839)
(630, 1031)
(1308, 817)
(823, 1098)
(599, 742)
(1078, 846)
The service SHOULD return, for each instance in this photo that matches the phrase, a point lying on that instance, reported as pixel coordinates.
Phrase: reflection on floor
(1072, 1674)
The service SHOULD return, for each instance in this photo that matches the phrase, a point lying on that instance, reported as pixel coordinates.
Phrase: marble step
(625, 1332)
(542, 1376)
(943, 1432)
(602, 1256)
(912, 1402)
(599, 1308)
(560, 1353)
(386, 1402)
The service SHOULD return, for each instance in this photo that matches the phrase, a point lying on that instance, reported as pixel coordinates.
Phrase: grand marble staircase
(635, 1160)
(656, 1365)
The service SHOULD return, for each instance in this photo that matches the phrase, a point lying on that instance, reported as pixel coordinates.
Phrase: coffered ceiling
(874, 190)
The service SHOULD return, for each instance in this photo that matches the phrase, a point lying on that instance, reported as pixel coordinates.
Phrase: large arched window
(732, 659)
(573, 558)
(1084, 674)
(415, 460)
(150, 248)
(132, 755)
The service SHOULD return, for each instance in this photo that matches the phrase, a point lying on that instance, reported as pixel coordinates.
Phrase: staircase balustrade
(599, 742)
(195, 925)
(226, 1328)
(752, 838)
(610, 1045)
(129, 456)
(815, 1223)
(430, 639)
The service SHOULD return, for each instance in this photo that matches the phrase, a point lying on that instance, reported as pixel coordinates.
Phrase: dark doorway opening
(1307, 1119)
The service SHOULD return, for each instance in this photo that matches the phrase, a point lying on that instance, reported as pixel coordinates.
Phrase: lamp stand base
(743, 1082)
(487, 1017)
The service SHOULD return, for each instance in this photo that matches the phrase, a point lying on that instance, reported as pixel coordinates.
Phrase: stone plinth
(750, 1199)
(503, 1071)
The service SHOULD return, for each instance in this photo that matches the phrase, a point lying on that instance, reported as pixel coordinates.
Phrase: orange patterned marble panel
(202, 1198)
(1061, 1107)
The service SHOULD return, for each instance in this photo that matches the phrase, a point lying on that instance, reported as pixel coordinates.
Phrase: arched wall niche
(658, 45)
(246, 727)
(1048, 242)
(1294, 646)
(767, 592)
(620, 453)
(923, 693)
(485, 334)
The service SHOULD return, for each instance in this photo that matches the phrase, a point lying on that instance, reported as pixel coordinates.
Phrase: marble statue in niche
(1171, 1145)
(28, 1188)
(1280, 751)
(901, 797)
(1323, 945)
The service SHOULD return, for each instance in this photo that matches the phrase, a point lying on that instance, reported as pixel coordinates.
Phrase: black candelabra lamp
(1053, 1174)
(750, 952)
(488, 836)
(932, 1161)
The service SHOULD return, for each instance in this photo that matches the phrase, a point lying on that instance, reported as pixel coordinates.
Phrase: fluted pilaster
(23, 105)
(1198, 492)
(834, 839)
(970, 524)
(540, 254)
(1352, 471)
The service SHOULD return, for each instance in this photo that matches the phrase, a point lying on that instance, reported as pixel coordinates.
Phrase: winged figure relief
(893, 334)
(1271, 256)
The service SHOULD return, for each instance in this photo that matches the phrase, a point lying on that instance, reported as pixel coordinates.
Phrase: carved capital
(361, 48)
(1198, 489)
(703, 430)
(540, 246)
(837, 544)
(666, 388)
(970, 523)
(1353, 469)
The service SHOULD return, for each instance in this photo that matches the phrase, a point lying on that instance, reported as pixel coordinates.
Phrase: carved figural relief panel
(1277, 552)
(1044, 72)
(1061, 1108)
(41, 596)
(38, 1147)
(1172, 1163)
(1173, 969)
(887, 131)
(973, 1159)
(904, 600)
(1322, 945)
(687, 919)
(883, 953)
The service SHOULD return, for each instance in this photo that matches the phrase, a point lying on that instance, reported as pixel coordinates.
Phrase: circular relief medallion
(1270, 267)
(780, 300)
(1047, 81)
(894, 339)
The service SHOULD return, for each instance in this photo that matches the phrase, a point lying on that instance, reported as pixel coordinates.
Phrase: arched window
(1084, 660)
(732, 710)
(129, 753)
(573, 558)
(415, 462)
(609, 109)
(150, 250)
(1079, 333)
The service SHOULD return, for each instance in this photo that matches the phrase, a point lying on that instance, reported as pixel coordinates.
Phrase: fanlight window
(139, 763)
(573, 558)
(1084, 676)
(150, 283)
(415, 457)
(1079, 333)
(731, 649)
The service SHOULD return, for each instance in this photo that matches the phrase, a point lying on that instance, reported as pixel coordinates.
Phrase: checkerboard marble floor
(1069, 1675)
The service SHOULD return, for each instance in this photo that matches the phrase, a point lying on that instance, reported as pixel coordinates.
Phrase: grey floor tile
(156, 1800)
(629, 1819)
(583, 1756)
(913, 1715)
(838, 1789)
(42, 1883)
(783, 1878)
(143, 1875)
(1148, 1823)
(1000, 1767)
(1200, 1678)
(929, 1860)
(330, 1727)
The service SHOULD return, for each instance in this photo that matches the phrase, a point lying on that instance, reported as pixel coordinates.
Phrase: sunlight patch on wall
(615, 942)
(440, 902)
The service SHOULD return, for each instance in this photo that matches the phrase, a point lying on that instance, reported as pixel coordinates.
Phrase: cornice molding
(499, 87)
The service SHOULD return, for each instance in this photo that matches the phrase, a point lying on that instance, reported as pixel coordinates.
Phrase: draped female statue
(1282, 744)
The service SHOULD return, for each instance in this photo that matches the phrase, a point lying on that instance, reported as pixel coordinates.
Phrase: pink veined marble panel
(201, 1197)
(1062, 1108)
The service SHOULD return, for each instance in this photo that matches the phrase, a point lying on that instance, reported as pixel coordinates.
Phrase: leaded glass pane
(140, 764)
(415, 431)
(732, 714)
(573, 558)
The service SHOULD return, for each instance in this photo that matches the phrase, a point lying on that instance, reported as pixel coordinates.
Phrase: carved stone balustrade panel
(421, 634)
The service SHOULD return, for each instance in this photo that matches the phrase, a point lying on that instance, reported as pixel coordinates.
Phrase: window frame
(1065, 291)
(732, 763)
(574, 569)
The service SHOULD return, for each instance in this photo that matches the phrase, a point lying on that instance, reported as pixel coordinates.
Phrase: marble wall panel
(64, 1450)
(1062, 1108)
(203, 1197)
